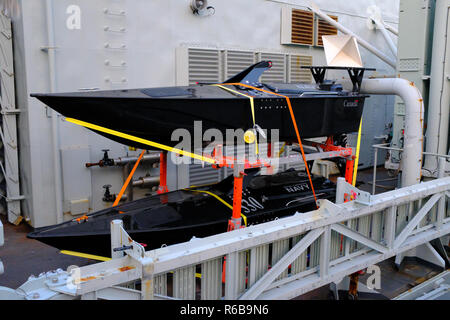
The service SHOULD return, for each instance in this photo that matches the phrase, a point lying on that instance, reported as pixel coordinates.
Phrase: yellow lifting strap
(252, 105)
(358, 148)
(84, 255)
(220, 199)
(140, 140)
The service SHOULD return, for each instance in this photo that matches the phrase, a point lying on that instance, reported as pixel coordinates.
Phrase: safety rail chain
(280, 259)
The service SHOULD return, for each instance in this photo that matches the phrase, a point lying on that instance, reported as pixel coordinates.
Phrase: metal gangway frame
(306, 251)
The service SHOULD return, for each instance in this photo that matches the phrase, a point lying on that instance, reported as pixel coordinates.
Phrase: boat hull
(157, 119)
(178, 216)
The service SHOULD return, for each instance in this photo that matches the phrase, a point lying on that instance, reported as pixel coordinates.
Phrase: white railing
(280, 259)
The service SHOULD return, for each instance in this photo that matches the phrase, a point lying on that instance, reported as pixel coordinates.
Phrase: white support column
(442, 202)
(389, 226)
(325, 253)
(439, 92)
(231, 276)
(147, 282)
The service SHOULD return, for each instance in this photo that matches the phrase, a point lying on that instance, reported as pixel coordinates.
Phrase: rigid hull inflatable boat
(320, 109)
(178, 216)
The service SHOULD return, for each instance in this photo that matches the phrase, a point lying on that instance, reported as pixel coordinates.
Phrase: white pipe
(381, 26)
(54, 115)
(390, 29)
(361, 41)
(411, 163)
(439, 101)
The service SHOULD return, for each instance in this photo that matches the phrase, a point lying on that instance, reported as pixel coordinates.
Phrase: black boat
(320, 109)
(178, 216)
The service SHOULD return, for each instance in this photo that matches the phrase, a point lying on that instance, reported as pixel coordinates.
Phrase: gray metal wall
(138, 49)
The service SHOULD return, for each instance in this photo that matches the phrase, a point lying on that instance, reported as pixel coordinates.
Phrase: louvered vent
(325, 29)
(200, 176)
(297, 74)
(204, 66)
(278, 71)
(236, 61)
(302, 27)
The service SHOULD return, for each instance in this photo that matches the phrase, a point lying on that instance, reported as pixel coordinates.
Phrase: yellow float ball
(249, 137)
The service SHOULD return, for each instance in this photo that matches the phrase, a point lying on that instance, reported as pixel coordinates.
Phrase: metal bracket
(125, 243)
(10, 112)
(12, 199)
(352, 193)
(47, 48)
(356, 74)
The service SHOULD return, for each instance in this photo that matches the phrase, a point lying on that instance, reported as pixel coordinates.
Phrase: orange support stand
(236, 221)
(349, 169)
(163, 173)
(127, 182)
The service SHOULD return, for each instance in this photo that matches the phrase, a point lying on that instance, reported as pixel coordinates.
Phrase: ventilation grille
(325, 29)
(216, 66)
(199, 176)
(297, 74)
(204, 66)
(302, 27)
(237, 61)
(278, 71)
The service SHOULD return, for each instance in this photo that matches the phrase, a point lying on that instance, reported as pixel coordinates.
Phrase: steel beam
(358, 237)
(296, 288)
(416, 220)
(281, 265)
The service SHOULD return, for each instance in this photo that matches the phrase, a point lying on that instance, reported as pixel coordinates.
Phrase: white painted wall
(154, 29)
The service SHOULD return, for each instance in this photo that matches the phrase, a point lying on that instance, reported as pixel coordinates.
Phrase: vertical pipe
(163, 173)
(439, 101)
(374, 181)
(442, 201)
(390, 226)
(324, 264)
(413, 145)
(54, 116)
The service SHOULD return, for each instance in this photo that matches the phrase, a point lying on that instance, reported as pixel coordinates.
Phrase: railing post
(325, 253)
(374, 181)
(116, 238)
(340, 190)
(147, 281)
(389, 226)
(231, 276)
(441, 205)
